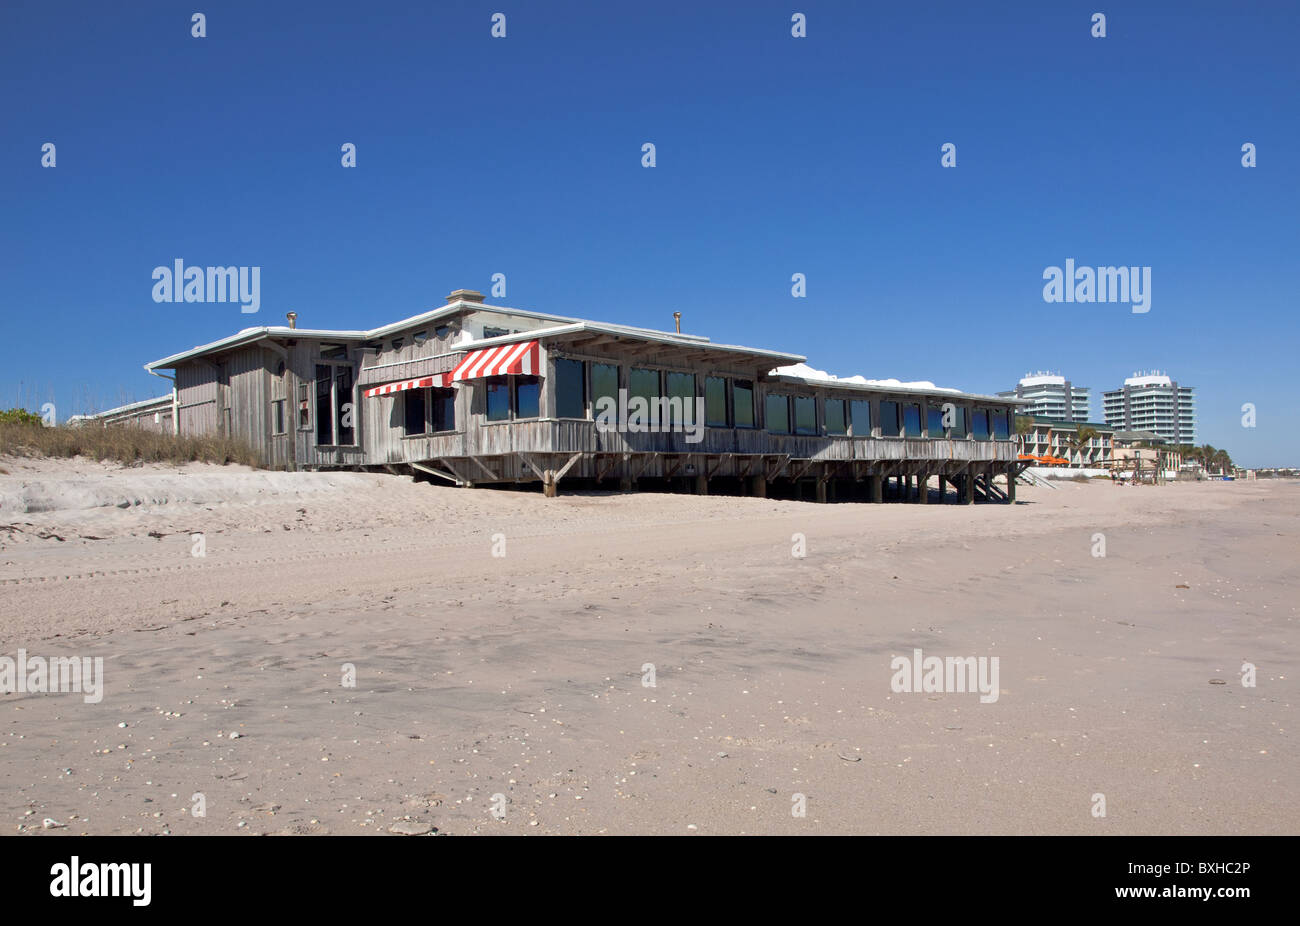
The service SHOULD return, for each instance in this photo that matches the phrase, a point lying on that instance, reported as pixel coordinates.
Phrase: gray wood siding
(196, 392)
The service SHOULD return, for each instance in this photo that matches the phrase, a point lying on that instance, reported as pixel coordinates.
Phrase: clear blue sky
(775, 155)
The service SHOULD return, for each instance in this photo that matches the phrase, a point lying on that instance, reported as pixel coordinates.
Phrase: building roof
(787, 367)
(162, 401)
(252, 335)
(1065, 425)
(1151, 436)
(579, 326)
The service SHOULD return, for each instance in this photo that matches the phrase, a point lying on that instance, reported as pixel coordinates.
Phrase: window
(414, 412)
(860, 410)
(888, 419)
(681, 394)
(528, 396)
(805, 414)
(304, 407)
(420, 337)
(398, 342)
(742, 397)
(959, 422)
(343, 406)
(324, 404)
(934, 421)
(1001, 425)
(279, 401)
(494, 333)
(980, 424)
(498, 398)
(911, 420)
(778, 414)
(715, 401)
(444, 409)
(645, 384)
(442, 331)
(604, 389)
(837, 421)
(570, 401)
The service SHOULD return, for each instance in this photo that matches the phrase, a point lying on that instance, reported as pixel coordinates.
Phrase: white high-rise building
(1053, 396)
(1153, 402)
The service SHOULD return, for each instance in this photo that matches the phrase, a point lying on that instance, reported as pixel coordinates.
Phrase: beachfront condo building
(1052, 396)
(1047, 441)
(1153, 402)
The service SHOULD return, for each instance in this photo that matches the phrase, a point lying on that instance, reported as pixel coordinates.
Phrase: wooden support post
(702, 484)
(549, 484)
(943, 489)
(821, 490)
(758, 485)
(968, 488)
(877, 488)
(1011, 487)
(923, 488)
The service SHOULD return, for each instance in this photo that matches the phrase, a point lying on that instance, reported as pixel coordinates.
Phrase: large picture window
(513, 397)
(1001, 425)
(980, 424)
(570, 397)
(889, 423)
(681, 396)
(742, 395)
(413, 414)
(498, 398)
(959, 422)
(837, 421)
(528, 397)
(934, 421)
(778, 414)
(645, 384)
(805, 414)
(860, 412)
(715, 402)
(911, 420)
(604, 388)
(444, 409)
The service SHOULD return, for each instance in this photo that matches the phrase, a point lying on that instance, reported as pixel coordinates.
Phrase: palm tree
(1082, 438)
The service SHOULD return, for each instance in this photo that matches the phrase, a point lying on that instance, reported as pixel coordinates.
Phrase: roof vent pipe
(293, 319)
(677, 319)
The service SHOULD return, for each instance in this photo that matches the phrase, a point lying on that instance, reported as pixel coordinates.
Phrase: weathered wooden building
(156, 414)
(476, 394)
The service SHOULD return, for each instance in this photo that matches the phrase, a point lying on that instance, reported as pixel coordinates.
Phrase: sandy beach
(515, 683)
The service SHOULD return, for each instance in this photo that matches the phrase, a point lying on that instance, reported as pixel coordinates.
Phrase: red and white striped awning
(518, 359)
(424, 382)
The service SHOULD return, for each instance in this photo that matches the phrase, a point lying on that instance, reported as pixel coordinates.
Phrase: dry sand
(521, 675)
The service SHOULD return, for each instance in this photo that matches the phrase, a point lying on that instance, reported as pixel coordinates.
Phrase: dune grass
(122, 443)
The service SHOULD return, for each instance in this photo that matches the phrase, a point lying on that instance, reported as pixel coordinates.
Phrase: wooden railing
(572, 436)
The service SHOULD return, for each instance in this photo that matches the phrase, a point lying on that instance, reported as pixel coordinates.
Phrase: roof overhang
(578, 329)
(887, 389)
(252, 336)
